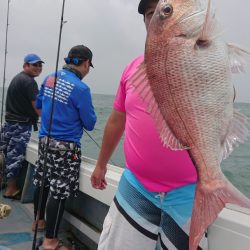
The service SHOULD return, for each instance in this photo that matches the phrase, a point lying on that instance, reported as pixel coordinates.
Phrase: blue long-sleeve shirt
(73, 108)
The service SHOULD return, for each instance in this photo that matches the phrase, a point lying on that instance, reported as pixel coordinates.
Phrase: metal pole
(5, 60)
(4, 209)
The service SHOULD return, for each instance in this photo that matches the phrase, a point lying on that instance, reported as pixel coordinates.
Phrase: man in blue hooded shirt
(72, 113)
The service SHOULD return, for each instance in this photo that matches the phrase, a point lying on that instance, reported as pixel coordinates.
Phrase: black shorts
(62, 168)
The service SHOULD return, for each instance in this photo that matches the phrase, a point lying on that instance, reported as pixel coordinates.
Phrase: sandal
(15, 196)
(62, 246)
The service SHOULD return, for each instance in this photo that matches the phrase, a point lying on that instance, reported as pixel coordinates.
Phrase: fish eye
(166, 11)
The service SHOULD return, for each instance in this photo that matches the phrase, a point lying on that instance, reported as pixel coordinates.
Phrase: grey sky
(112, 29)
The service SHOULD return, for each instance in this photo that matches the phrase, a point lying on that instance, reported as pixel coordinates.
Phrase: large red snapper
(186, 81)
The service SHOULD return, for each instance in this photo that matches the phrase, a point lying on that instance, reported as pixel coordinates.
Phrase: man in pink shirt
(154, 200)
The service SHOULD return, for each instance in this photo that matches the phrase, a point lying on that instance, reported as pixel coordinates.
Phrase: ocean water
(236, 167)
(103, 106)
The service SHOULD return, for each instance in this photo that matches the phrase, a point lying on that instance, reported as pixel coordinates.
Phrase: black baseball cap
(142, 6)
(81, 52)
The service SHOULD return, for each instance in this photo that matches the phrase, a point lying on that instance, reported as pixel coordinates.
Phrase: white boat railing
(231, 230)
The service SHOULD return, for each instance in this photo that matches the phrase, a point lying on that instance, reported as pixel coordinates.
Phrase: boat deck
(15, 230)
(84, 215)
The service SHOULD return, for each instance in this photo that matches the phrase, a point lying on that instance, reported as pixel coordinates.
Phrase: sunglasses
(36, 64)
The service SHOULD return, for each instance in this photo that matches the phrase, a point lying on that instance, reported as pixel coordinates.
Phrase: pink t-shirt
(158, 168)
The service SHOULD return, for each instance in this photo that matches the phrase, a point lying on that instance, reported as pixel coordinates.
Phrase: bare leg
(50, 243)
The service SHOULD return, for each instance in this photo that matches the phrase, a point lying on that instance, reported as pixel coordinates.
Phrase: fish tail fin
(207, 205)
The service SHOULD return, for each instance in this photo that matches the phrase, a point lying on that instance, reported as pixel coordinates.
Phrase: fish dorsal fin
(211, 27)
(238, 58)
(238, 132)
(140, 82)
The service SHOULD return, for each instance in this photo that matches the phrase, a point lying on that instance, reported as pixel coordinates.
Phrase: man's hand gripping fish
(186, 81)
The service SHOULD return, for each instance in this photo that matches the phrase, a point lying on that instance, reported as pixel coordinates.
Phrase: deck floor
(15, 230)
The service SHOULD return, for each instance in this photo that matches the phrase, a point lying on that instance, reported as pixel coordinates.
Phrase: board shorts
(139, 219)
(62, 168)
(14, 139)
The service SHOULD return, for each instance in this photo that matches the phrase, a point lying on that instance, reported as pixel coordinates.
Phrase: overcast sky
(112, 29)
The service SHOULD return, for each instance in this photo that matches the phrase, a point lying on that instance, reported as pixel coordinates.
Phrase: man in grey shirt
(20, 115)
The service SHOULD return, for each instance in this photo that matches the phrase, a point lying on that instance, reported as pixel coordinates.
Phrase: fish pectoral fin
(209, 201)
(238, 132)
(140, 82)
(238, 58)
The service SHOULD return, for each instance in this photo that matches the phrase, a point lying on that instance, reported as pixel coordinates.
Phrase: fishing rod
(4, 208)
(34, 247)
(96, 143)
(5, 60)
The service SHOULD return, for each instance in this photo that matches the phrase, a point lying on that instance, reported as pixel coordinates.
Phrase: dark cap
(143, 5)
(81, 52)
